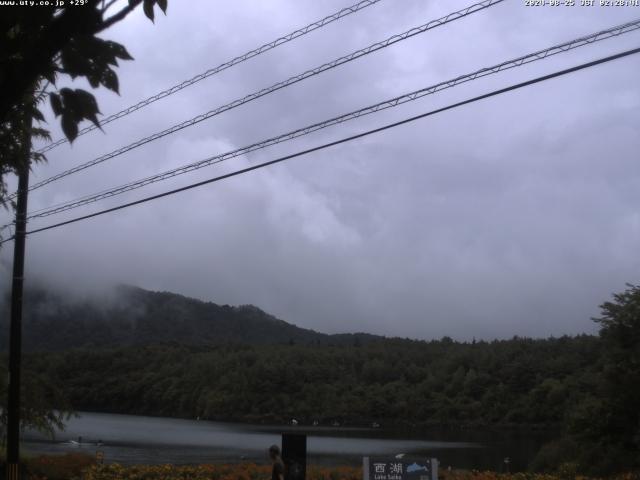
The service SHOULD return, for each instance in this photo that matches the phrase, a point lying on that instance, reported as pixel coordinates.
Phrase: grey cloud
(516, 215)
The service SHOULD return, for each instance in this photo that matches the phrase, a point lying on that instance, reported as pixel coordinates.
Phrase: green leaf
(40, 133)
(94, 79)
(38, 157)
(69, 127)
(56, 104)
(147, 6)
(86, 106)
(37, 114)
(163, 5)
(77, 105)
(110, 80)
(75, 62)
(65, 92)
(119, 50)
(69, 104)
(51, 76)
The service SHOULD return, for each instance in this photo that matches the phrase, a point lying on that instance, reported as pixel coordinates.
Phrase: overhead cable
(343, 140)
(538, 55)
(223, 66)
(277, 86)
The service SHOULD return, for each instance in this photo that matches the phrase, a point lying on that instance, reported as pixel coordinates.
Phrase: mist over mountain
(129, 316)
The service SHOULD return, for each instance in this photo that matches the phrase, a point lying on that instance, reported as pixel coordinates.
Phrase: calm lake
(136, 439)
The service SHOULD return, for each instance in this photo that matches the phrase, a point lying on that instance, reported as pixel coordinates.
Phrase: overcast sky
(517, 215)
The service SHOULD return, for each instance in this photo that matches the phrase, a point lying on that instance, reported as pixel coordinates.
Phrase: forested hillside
(515, 382)
(134, 316)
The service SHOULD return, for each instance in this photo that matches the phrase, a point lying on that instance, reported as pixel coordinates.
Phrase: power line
(277, 86)
(346, 139)
(614, 31)
(538, 55)
(223, 66)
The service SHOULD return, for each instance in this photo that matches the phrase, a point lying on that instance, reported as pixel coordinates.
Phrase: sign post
(390, 468)
(294, 455)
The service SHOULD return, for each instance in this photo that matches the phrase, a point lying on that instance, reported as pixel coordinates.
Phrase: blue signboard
(386, 468)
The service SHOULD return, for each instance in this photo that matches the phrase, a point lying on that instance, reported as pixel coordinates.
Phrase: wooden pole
(15, 339)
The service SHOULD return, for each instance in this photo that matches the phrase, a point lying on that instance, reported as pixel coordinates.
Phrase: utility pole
(15, 339)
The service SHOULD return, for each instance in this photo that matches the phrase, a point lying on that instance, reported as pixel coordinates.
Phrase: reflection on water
(137, 439)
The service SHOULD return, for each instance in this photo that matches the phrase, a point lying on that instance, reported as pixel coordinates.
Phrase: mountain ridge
(132, 316)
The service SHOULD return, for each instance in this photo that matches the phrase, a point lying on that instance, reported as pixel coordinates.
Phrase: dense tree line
(514, 382)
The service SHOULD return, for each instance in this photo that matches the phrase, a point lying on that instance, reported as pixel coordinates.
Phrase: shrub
(59, 467)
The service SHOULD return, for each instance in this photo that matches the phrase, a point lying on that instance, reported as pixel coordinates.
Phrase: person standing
(277, 472)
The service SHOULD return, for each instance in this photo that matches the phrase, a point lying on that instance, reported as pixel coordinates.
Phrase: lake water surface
(137, 439)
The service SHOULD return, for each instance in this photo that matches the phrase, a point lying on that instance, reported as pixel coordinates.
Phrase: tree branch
(119, 16)
(42, 90)
(108, 6)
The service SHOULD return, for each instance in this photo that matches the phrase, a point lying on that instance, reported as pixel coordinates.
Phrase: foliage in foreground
(38, 394)
(38, 46)
(560, 475)
(248, 471)
(58, 467)
(79, 466)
